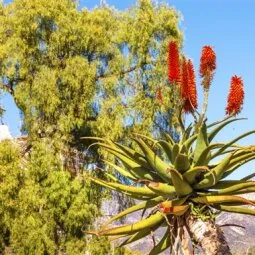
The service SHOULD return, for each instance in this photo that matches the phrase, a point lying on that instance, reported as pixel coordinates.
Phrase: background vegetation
(74, 73)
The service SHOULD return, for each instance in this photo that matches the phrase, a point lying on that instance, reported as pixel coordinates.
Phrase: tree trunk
(208, 236)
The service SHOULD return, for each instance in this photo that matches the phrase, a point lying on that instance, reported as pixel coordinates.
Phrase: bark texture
(209, 236)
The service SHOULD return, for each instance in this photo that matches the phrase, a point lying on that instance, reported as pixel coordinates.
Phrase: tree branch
(131, 69)
(7, 88)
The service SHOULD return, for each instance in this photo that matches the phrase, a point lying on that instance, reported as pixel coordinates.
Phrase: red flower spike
(191, 102)
(173, 63)
(185, 80)
(207, 61)
(159, 95)
(188, 88)
(235, 96)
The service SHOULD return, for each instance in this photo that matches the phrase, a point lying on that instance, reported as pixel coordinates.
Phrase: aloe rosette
(182, 184)
(175, 179)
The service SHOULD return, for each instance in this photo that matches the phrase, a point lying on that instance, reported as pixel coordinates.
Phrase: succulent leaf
(121, 171)
(153, 141)
(227, 145)
(241, 155)
(162, 189)
(163, 244)
(139, 235)
(132, 228)
(234, 187)
(190, 141)
(202, 142)
(204, 157)
(169, 139)
(167, 147)
(126, 189)
(139, 171)
(181, 186)
(187, 133)
(144, 205)
(175, 151)
(225, 184)
(244, 191)
(133, 155)
(248, 177)
(215, 131)
(215, 123)
(122, 154)
(215, 174)
(232, 167)
(183, 149)
(182, 163)
(191, 175)
(112, 177)
(235, 209)
(156, 163)
(221, 199)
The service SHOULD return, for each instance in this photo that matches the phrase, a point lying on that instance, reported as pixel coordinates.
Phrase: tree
(72, 73)
(180, 183)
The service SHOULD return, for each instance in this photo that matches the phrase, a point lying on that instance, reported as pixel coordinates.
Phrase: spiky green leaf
(182, 187)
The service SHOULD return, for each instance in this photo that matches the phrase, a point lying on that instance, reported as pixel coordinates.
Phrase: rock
(240, 240)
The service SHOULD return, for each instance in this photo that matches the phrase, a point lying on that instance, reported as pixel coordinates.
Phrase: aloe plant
(181, 184)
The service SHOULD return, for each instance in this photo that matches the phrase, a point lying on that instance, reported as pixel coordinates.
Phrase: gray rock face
(241, 240)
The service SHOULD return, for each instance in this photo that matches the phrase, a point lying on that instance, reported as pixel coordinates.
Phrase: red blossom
(207, 61)
(188, 88)
(191, 103)
(185, 80)
(235, 96)
(173, 63)
(159, 95)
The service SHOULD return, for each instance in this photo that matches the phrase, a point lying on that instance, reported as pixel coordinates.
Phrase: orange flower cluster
(185, 80)
(188, 88)
(207, 61)
(235, 96)
(185, 76)
(173, 63)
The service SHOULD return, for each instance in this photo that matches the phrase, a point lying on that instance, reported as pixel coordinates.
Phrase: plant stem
(204, 109)
(208, 236)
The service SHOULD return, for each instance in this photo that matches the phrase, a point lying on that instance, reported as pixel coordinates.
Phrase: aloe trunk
(208, 235)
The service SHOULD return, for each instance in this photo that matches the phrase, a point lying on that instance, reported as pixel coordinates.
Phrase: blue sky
(226, 25)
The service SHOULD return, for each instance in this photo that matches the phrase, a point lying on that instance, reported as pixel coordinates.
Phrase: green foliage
(11, 178)
(72, 73)
(45, 212)
(42, 211)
